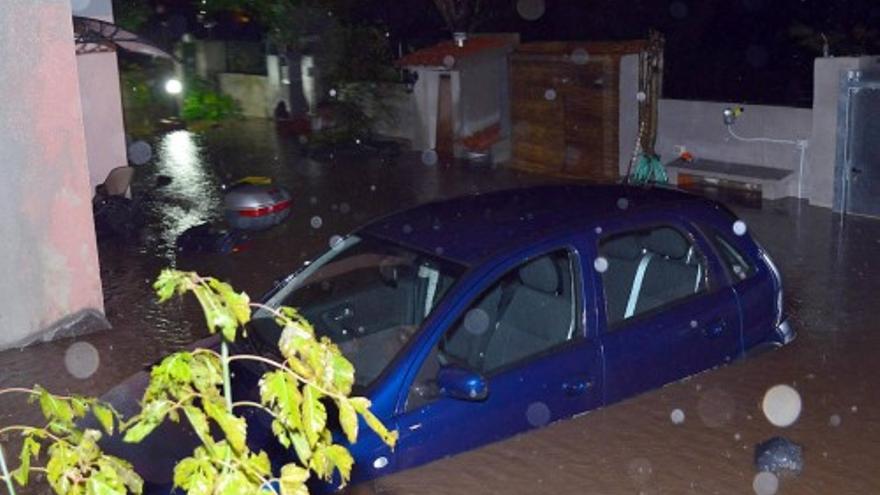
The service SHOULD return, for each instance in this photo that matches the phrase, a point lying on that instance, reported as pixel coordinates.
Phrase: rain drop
(538, 414)
(765, 483)
(739, 228)
(694, 323)
(313, 200)
(550, 94)
(429, 157)
(316, 222)
(781, 405)
(641, 96)
(623, 203)
(139, 152)
(598, 230)
(476, 321)
(303, 139)
(81, 360)
(530, 10)
(407, 229)
(678, 10)
(373, 187)
(834, 420)
(332, 93)
(716, 408)
(449, 61)
(344, 208)
(439, 250)
(336, 242)
(579, 56)
(676, 416)
(601, 264)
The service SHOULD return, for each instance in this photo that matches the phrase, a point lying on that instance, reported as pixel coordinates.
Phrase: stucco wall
(698, 125)
(101, 101)
(48, 256)
(250, 91)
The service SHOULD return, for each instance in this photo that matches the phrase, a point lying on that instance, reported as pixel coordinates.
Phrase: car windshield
(367, 295)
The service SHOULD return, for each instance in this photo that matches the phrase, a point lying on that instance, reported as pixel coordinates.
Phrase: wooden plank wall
(565, 109)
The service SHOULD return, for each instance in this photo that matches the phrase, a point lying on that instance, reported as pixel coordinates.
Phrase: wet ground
(831, 276)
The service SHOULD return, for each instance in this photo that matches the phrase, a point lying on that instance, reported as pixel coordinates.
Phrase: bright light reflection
(173, 86)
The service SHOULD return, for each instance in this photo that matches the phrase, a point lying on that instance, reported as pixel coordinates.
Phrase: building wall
(101, 101)
(827, 76)
(48, 258)
(250, 91)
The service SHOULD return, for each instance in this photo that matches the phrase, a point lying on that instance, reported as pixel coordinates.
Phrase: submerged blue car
(477, 318)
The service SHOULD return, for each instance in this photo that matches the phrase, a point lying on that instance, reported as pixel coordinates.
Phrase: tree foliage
(195, 387)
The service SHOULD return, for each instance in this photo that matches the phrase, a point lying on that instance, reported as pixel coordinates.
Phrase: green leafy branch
(75, 464)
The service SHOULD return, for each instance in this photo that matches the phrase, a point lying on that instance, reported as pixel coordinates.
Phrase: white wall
(48, 256)
(698, 126)
(250, 91)
(101, 101)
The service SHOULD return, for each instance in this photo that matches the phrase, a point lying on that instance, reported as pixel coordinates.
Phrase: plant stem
(6, 476)
(227, 381)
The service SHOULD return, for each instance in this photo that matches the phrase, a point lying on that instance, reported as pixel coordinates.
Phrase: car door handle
(714, 329)
(576, 387)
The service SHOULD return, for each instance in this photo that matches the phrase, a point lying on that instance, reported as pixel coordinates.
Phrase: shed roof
(436, 55)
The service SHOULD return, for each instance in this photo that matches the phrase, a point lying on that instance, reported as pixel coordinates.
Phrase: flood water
(831, 283)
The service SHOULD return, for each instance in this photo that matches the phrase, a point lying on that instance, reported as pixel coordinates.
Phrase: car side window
(527, 312)
(648, 269)
(737, 263)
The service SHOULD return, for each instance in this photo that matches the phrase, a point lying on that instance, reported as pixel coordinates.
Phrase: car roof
(472, 228)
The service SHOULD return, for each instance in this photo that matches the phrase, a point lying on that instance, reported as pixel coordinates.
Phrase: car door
(666, 317)
(525, 335)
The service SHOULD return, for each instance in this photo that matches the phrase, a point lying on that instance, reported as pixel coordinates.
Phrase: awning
(93, 35)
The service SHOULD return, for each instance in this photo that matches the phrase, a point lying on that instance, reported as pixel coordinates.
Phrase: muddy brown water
(830, 272)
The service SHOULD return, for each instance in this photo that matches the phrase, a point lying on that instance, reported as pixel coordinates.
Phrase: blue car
(477, 318)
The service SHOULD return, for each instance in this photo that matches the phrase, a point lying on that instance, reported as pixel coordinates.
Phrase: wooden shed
(565, 100)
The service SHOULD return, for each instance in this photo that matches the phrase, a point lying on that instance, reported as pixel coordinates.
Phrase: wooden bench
(766, 182)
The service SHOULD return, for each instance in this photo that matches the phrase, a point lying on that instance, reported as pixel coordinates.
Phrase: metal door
(859, 153)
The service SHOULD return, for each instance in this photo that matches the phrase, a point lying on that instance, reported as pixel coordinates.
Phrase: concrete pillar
(101, 100)
(48, 257)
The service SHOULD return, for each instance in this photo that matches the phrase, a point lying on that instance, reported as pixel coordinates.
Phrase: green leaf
(54, 408)
(200, 425)
(343, 372)
(238, 303)
(104, 415)
(233, 427)
(348, 419)
(29, 449)
(170, 282)
(293, 479)
(314, 415)
(150, 417)
(338, 456)
(301, 446)
(124, 472)
(234, 482)
(362, 406)
(279, 392)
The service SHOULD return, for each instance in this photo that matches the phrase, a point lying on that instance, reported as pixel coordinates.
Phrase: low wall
(698, 126)
(250, 91)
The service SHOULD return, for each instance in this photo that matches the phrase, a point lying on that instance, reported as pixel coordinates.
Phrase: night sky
(719, 50)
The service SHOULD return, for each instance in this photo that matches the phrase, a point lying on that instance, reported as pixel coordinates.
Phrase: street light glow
(173, 86)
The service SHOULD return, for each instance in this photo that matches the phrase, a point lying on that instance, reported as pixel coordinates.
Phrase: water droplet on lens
(449, 61)
(739, 228)
(81, 360)
(677, 416)
(550, 94)
(407, 229)
(623, 203)
(316, 222)
(344, 208)
(538, 414)
(600, 264)
(765, 483)
(530, 10)
(781, 405)
(641, 96)
(579, 56)
(336, 242)
(476, 321)
(598, 230)
(429, 157)
(313, 200)
(834, 420)
(332, 93)
(678, 10)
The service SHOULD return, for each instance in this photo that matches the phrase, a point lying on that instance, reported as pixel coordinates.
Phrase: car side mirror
(462, 384)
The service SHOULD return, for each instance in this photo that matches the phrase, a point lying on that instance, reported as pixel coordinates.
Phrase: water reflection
(193, 196)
